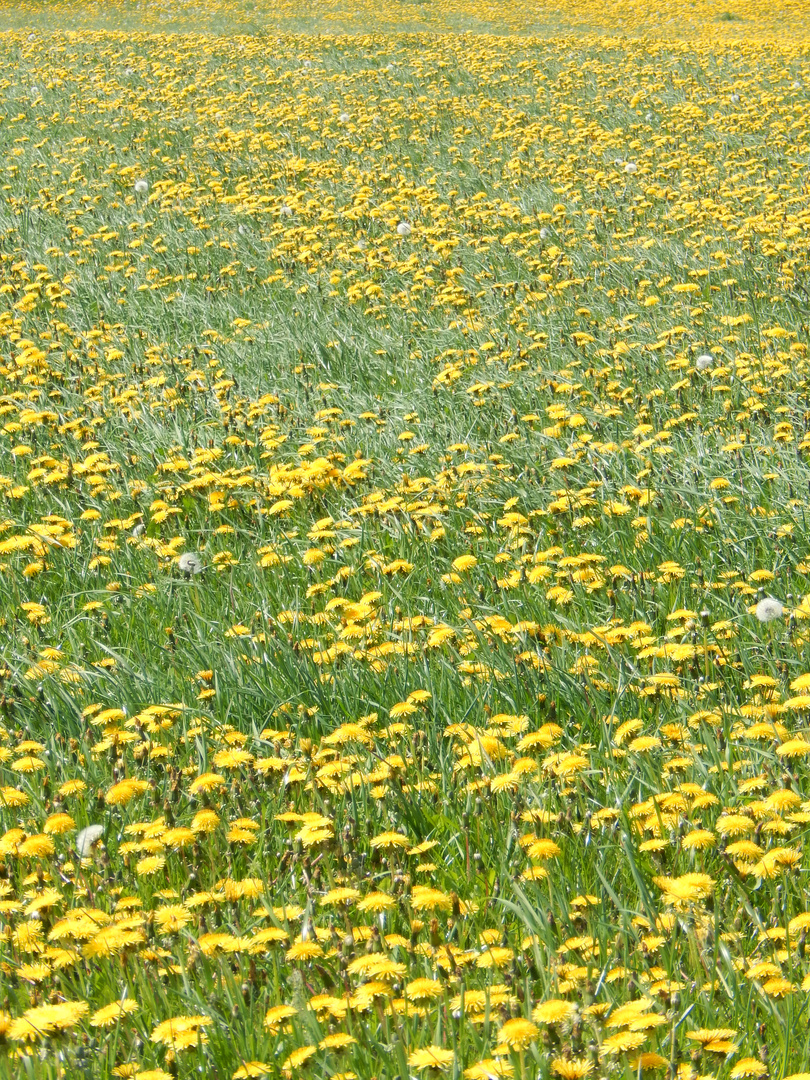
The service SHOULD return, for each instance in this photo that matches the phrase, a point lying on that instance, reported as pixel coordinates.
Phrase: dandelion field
(404, 563)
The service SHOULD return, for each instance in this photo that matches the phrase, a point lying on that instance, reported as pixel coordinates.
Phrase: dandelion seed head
(769, 609)
(87, 838)
(189, 563)
(404, 229)
(704, 361)
(141, 186)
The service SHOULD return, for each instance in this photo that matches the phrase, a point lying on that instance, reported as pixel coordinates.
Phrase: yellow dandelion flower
(57, 824)
(204, 821)
(433, 1058)
(423, 990)
(171, 918)
(125, 790)
(28, 764)
(698, 840)
(490, 1069)
(623, 1041)
(37, 846)
(748, 1066)
(709, 1035)
(252, 1069)
(72, 787)
(149, 865)
(464, 562)
(402, 708)
(339, 896)
(175, 1032)
(553, 1011)
(648, 1060)
(298, 1057)
(376, 902)
(424, 898)
(337, 1041)
(206, 782)
(517, 1034)
(390, 840)
(114, 1012)
(571, 1068)
(44, 1020)
(178, 838)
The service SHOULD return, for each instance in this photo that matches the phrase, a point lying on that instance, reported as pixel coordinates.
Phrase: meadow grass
(404, 562)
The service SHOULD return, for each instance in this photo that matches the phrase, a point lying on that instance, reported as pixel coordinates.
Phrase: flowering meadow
(404, 552)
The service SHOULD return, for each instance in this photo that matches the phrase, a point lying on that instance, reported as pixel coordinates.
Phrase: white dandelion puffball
(139, 530)
(704, 361)
(544, 234)
(286, 211)
(769, 609)
(735, 99)
(141, 187)
(344, 118)
(630, 167)
(189, 563)
(649, 118)
(404, 229)
(87, 838)
(307, 63)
